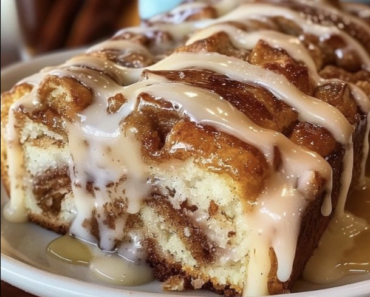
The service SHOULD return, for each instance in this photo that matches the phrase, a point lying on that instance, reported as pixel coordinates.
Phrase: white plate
(24, 262)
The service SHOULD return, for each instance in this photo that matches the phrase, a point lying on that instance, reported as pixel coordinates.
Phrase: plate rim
(11, 272)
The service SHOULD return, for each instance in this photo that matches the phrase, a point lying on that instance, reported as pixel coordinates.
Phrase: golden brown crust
(257, 103)
(338, 94)
(125, 58)
(74, 98)
(219, 43)
(208, 147)
(361, 78)
(279, 61)
(314, 138)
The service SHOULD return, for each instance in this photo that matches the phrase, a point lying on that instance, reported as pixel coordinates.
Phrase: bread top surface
(253, 96)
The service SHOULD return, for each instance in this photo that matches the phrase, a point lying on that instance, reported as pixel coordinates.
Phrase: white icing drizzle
(271, 226)
(225, 6)
(213, 110)
(129, 46)
(15, 210)
(241, 39)
(103, 86)
(334, 11)
(177, 31)
(248, 40)
(258, 10)
(133, 250)
(34, 79)
(346, 178)
(359, 95)
(249, 10)
(182, 11)
(365, 153)
(123, 75)
(103, 142)
(311, 109)
(114, 159)
(361, 9)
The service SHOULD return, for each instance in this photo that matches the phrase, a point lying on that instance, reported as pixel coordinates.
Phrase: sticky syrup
(70, 250)
(345, 246)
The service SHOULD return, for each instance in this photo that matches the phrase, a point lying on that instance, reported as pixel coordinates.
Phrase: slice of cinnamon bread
(228, 146)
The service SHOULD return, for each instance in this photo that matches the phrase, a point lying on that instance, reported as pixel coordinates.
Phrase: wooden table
(8, 290)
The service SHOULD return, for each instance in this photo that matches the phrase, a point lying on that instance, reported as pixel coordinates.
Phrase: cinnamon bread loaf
(226, 133)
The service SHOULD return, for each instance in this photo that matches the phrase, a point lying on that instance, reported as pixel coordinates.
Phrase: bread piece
(229, 153)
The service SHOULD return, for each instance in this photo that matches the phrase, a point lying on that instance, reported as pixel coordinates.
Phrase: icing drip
(119, 178)
(280, 204)
(365, 153)
(119, 182)
(15, 210)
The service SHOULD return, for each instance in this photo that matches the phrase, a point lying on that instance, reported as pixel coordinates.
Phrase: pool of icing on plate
(115, 268)
(345, 246)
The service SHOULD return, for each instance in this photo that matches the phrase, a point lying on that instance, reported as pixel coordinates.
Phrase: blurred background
(33, 27)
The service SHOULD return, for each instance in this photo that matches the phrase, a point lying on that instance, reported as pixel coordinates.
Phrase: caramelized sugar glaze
(260, 95)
